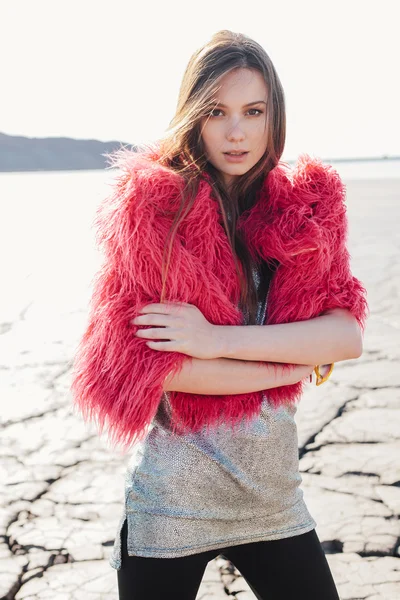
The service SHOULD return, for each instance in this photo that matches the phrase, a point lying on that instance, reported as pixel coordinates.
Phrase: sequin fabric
(203, 491)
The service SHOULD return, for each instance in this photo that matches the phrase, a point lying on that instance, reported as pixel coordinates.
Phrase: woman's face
(237, 123)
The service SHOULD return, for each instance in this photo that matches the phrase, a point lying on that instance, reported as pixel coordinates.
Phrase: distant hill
(19, 153)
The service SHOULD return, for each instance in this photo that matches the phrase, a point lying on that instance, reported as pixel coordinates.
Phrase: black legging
(286, 569)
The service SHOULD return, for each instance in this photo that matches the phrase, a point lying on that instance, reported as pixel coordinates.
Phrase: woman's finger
(163, 333)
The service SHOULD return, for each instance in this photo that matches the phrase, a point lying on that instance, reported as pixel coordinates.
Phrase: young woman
(226, 280)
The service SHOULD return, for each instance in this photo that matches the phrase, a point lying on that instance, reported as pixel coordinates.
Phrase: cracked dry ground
(62, 488)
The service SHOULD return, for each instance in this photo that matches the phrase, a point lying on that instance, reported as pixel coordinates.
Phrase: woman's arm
(226, 376)
(326, 339)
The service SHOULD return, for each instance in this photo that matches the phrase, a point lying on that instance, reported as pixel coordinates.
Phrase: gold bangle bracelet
(320, 380)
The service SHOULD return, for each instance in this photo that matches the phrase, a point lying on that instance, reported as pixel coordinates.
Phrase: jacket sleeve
(329, 217)
(313, 230)
(117, 380)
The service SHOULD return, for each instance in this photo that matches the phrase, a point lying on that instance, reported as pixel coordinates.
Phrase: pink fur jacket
(299, 219)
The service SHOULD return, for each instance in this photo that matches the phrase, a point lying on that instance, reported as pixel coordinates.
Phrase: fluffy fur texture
(299, 219)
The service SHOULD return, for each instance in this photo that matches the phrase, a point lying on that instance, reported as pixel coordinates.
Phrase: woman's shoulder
(141, 190)
(302, 190)
(317, 183)
(141, 172)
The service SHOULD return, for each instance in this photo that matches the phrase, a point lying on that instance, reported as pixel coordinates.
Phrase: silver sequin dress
(196, 492)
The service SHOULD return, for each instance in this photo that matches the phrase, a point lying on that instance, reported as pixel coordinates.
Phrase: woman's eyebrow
(244, 105)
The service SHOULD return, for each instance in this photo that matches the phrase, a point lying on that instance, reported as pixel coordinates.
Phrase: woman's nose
(235, 132)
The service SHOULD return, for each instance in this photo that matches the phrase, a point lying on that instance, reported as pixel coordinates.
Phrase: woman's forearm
(330, 338)
(229, 376)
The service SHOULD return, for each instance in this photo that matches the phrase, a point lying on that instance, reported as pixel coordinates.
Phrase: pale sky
(111, 70)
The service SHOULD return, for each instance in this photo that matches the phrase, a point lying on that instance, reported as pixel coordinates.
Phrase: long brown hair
(182, 148)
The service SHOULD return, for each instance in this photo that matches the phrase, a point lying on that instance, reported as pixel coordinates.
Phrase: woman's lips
(235, 158)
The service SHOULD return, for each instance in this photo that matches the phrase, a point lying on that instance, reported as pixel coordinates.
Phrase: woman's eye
(253, 112)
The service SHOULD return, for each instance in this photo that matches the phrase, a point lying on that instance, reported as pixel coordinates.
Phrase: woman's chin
(236, 171)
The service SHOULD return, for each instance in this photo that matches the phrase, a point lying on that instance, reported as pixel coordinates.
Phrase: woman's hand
(302, 371)
(183, 327)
